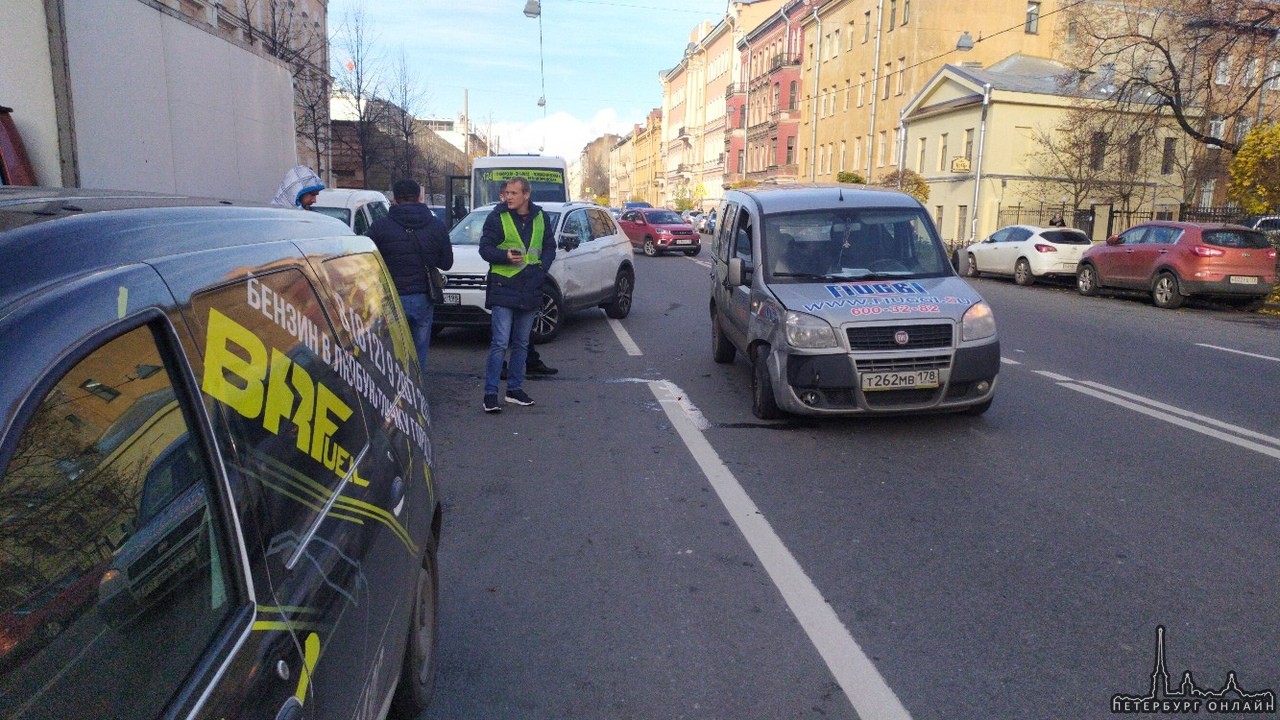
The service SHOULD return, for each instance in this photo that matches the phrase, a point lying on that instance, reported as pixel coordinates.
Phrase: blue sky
(602, 61)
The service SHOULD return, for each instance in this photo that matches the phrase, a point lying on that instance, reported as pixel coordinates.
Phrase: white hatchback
(357, 208)
(593, 268)
(1027, 252)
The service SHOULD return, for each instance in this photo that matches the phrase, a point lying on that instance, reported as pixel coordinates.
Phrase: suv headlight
(979, 322)
(807, 331)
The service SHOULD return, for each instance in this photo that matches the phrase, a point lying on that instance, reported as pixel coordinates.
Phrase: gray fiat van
(217, 495)
(843, 300)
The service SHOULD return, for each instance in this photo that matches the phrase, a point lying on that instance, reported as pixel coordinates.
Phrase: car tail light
(1045, 248)
(1206, 251)
(1271, 253)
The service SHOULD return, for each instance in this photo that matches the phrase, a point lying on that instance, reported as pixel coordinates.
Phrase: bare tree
(1205, 62)
(405, 102)
(359, 78)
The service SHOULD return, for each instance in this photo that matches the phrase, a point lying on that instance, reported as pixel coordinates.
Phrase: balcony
(782, 60)
(735, 89)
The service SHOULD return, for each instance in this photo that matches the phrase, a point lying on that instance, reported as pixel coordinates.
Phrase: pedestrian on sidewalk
(299, 189)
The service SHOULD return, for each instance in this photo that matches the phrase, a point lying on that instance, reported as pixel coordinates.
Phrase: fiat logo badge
(901, 337)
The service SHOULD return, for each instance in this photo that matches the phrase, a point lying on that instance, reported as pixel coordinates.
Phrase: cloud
(559, 133)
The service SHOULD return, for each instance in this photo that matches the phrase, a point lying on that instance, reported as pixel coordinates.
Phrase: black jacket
(410, 238)
(524, 290)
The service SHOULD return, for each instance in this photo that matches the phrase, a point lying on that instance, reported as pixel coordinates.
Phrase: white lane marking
(691, 411)
(1245, 432)
(625, 338)
(1174, 420)
(1238, 352)
(866, 689)
(1007, 361)
(1053, 376)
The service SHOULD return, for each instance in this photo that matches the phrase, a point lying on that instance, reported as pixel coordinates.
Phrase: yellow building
(1029, 138)
(648, 177)
(863, 60)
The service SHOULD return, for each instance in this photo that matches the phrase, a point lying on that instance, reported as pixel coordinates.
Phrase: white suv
(593, 268)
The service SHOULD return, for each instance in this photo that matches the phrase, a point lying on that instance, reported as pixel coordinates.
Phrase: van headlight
(807, 331)
(979, 322)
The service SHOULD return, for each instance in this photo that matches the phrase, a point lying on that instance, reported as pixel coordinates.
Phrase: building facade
(767, 100)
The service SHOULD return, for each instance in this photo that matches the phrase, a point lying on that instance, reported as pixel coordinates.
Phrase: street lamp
(533, 9)
(964, 44)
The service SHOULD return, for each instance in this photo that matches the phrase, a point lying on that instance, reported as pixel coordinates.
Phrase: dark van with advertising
(217, 495)
(844, 302)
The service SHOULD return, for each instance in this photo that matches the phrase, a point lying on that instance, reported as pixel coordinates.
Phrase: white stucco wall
(26, 84)
(164, 106)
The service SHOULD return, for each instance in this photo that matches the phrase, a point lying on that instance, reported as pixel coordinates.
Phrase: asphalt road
(638, 545)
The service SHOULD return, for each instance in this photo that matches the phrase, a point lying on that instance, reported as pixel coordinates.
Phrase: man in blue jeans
(411, 239)
(517, 243)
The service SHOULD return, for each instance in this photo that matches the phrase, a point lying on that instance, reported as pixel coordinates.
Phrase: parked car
(656, 230)
(1268, 225)
(593, 268)
(1027, 252)
(357, 208)
(217, 480)
(844, 301)
(691, 217)
(1177, 260)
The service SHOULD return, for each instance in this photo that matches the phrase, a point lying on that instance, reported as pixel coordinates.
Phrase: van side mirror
(735, 272)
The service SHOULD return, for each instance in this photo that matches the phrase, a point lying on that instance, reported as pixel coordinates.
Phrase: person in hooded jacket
(299, 189)
(411, 239)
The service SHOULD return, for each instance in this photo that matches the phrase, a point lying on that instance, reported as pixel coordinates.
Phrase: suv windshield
(851, 245)
(663, 217)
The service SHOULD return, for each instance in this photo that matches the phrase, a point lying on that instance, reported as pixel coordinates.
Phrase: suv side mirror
(569, 240)
(1113, 240)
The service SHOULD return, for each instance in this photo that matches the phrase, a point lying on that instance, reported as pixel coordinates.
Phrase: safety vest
(511, 241)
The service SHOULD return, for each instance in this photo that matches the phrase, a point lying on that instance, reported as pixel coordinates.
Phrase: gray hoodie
(297, 182)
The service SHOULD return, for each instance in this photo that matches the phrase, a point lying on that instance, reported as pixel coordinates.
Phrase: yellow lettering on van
(323, 427)
(222, 362)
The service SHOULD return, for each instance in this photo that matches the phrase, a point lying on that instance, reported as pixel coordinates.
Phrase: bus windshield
(548, 184)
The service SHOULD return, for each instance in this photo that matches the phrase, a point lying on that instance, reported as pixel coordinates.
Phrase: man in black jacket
(411, 239)
(519, 245)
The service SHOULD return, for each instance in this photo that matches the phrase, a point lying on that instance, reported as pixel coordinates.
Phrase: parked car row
(1170, 260)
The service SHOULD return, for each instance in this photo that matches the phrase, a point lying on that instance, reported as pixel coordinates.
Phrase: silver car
(844, 302)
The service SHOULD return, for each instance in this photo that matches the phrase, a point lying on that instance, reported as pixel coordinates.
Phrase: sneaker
(519, 397)
(539, 368)
(491, 403)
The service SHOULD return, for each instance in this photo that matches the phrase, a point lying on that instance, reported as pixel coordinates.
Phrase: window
(1222, 71)
(968, 144)
(862, 86)
(1133, 157)
(922, 143)
(962, 222)
(835, 42)
(1273, 72)
(857, 152)
(842, 155)
(1251, 72)
(906, 11)
(866, 27)
(893, 13)
(1243, 126)
(902, 71)
(937, 215)
(1097, 150)
(791, 150)
(1206, 192)
(794, 95)
(1217, 127)
(113, 538)
(1167, 156)
(888, 74)
(847, 93)
(742, 161)
(942, 154)
(777, 96)
(1033, 18)
(882, 150)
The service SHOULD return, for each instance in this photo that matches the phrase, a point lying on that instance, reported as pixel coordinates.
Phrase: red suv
(1175, 260)
(657, 229)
